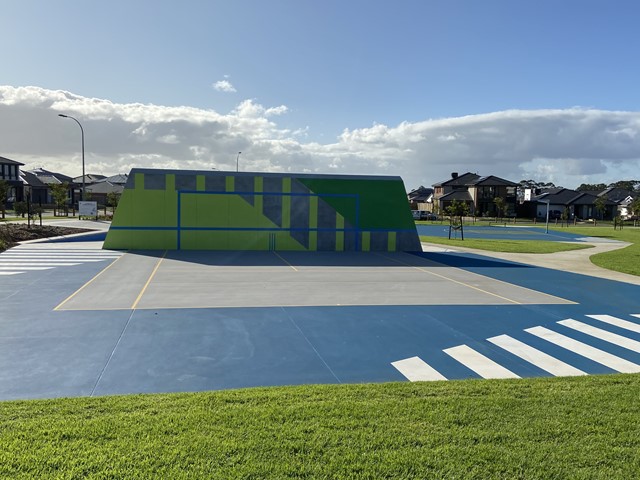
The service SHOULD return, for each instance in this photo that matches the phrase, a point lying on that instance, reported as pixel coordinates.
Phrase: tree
(591, 187)
(4, 193)
(457, 209)
(21, 208)
(635, 206)
(112, 200)
(60, 193)
(630, 185)
(501, 206)
(534, 185)
(601, 205)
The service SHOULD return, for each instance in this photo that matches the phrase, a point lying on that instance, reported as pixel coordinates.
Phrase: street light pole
(82, 133)
(547, 222)
(237, 158)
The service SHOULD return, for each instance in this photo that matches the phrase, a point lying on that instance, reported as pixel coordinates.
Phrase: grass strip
(625, 260)
(584, 427)
(513, 246)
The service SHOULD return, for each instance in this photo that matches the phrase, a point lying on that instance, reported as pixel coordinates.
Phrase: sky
(544, 90)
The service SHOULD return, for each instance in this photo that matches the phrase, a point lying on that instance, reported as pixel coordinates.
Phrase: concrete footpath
(575, 261)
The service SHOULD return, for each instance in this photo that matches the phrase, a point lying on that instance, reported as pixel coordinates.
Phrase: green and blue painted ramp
(213, 210)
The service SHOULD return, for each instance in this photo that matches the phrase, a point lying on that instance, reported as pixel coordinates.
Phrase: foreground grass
(534, 428)
(513, 246)
(625, 260)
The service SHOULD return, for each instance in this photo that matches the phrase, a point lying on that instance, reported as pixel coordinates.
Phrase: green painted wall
(201, 210)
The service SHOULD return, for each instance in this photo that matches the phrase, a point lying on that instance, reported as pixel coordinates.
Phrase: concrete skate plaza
(205, 279)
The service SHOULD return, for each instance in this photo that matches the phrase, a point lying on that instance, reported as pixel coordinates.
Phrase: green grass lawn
(626, 260)
(513, 246)
(544, 428)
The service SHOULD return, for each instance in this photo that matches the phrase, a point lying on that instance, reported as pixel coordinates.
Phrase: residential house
(35, 191)
(580, 205)
(49, 178)
(99, 191)
(10, 173)
(622, 198)
(478, 192)
(421, 198)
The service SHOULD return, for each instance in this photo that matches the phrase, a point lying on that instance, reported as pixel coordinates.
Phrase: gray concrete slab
(116, 287)
(265, 279)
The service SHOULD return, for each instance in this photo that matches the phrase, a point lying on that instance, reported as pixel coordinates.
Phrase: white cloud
(567, 147)
(224, 86)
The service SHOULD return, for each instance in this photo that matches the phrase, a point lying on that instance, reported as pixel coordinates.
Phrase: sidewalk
(71, 222)
(576, 261)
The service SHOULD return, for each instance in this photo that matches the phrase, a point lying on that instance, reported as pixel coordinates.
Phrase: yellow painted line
(479, 289)
(135, 304)
(280, 257)
(89, 282)
(452, 280)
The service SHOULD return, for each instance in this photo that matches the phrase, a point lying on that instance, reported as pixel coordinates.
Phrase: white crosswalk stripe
(614, 338)
(618, 322)
(483, 366)
(536, 357)
(26, 258)
(416, 369)
(592, 353)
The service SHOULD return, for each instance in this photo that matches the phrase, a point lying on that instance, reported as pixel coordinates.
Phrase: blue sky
(315, 70)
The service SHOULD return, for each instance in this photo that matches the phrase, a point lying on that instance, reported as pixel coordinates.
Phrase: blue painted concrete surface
(500, 232)
(46, 353)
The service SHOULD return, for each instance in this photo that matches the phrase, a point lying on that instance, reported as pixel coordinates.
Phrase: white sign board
(88, 209)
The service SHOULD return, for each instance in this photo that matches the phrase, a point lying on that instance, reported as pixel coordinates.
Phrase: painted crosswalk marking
(618, 322)
(483, 366)
(30, 267)
(26, 258)
(417, 370)
(610, 337)
(536, 357)
(600, 356)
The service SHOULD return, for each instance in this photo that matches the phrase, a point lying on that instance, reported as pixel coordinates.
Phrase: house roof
(104, 188)
(584, 199)
(617, 195)
(30, 179)
(9, 161)
(473, 179)
(46, 176)
(566, 196)
(48, 179)
(460, 180)
(119, 179)
(420, 194)
(462, 195)
(89, 178)
(493, 180)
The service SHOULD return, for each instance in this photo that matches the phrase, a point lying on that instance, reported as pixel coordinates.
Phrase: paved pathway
(576, 261)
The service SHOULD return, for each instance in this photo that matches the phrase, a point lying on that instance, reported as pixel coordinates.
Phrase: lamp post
(237, 158)
(547, 222)
(82, 133)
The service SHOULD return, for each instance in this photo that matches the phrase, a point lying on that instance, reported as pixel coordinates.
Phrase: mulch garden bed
(13, 233)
